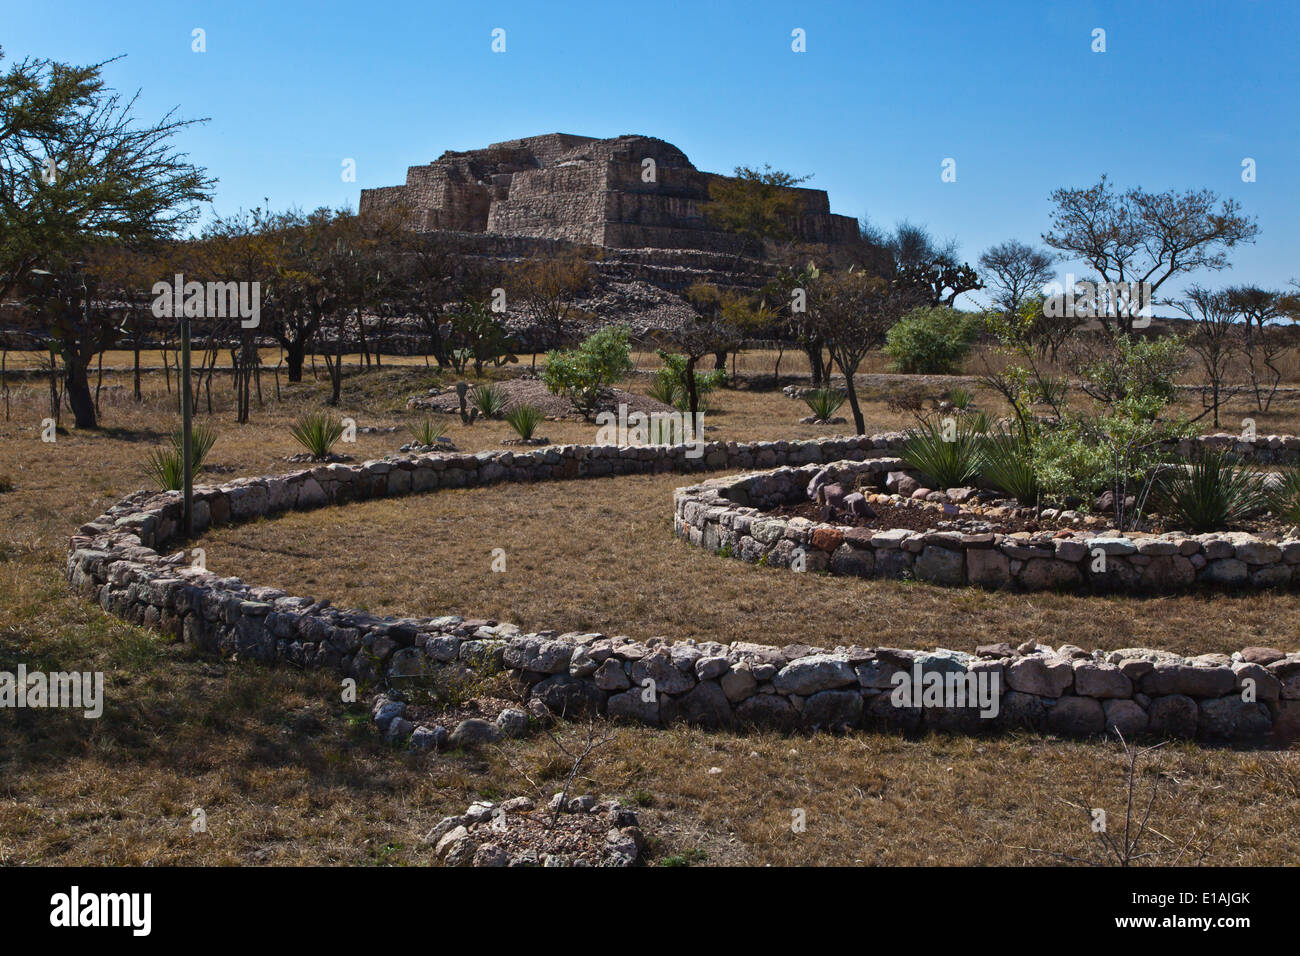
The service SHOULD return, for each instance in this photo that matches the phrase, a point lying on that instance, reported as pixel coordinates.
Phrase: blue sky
(885, 92)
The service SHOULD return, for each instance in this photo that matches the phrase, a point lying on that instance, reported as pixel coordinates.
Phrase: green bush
(580, 374)
(317, 432)
(427, 432)
(166, 466)
(1068, 464)
(524, 419)
(489, 399)
(931, 341)
(1008, 465)
(1210, 493)
(946, 449)
(824, 402)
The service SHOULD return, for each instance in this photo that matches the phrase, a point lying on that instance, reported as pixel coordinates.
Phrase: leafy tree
(852, 311)
(549, 286)
(914, 259)
(78, 170)
(1145, 237)
(755, 204)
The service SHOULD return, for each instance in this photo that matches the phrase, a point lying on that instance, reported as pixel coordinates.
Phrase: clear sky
(884, 93)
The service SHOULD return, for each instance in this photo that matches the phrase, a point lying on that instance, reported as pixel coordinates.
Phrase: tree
(1216, 337)
(583, 374)
(1145, 238)
(549, 286)
(853, 311)
(709, 332)
(916, 260)
(77, 169)
(1261, 341)
(755, 204)
(1017, 272)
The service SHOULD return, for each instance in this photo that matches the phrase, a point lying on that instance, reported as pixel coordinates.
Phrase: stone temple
(584, 190)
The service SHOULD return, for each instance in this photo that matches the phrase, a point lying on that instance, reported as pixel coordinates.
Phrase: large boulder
(818, 672)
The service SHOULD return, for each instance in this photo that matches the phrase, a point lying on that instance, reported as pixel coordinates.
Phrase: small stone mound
(578, 831)
(527, 390)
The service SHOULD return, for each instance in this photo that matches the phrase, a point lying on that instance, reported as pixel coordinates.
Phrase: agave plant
(427, 432)
(166, 466)
(1008, 465)
(824, 402)
(524, 419)
(664, 389)
(1284, 496)
(961, 398)
(489, 399)
(946, 449)
(317, 432)
(1210, 493)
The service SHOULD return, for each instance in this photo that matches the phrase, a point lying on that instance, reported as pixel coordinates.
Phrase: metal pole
(187, 415)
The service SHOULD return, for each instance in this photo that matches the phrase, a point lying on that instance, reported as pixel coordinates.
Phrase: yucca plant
(961, 398)
(166, 466)
(945, 449)
(427, 432)
(1284, 496)
(664, 389)
(1008, 465)
(317, 432)
(824, 402)
(1210, 493)
(524, 419)
(489, 399)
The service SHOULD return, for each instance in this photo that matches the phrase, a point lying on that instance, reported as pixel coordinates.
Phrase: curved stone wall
(116, 561)
(730, 516)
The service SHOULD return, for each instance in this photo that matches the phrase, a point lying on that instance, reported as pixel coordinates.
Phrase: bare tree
(1016, 273)
(1216, 337)
(1262, 341)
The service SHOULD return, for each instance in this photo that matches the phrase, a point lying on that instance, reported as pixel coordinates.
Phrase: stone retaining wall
(116, 561)
(731, 516)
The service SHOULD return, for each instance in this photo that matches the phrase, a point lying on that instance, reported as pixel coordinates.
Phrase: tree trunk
(78, 386)
(293, 355)
(692, 393)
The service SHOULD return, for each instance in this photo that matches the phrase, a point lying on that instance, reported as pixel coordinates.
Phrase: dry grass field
(288, 774)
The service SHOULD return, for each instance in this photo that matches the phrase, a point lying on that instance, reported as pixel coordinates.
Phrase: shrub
(664, 389)
(961, 398)
(931, 341)
(489, 399)
(524, 419)
(166, 466)
(1210, 493)
(947, 450)
(317, 432)
(1284, 497)
(1067, 464)
(581, 374)
(824, 402)
(427, 432)
(1008, 465)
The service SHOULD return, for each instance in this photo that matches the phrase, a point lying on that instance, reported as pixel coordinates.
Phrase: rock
(1172, 678)
(1040, 675)
(1124, 716)
(901, 483)
(570, 697)
(738, 683)
(833, 710)
(1018, 710)
(856, 505)
(513, 722)
(1261, 655)
(1226, 571)
(710, 668)
(1174, 715)
(988, 567)
(398, 730)
(850, 561)
(1076, 717)
(1231, 718)
(489, 854)
(1167, 573)
(1041, 574)
(473, 732)
(629, 705)
(611, 675)
(442, 828)
(385, 711)
(999, 650)
(940, 566)
(428, 738)
(808, 675)
(658, 666)
(704, 704)
(770, 711)
(1093, 679)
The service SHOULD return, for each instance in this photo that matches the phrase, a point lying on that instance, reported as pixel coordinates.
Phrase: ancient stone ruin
(629, 192)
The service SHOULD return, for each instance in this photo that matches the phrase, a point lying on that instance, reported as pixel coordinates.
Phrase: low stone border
(729, 516)
(115, 561)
